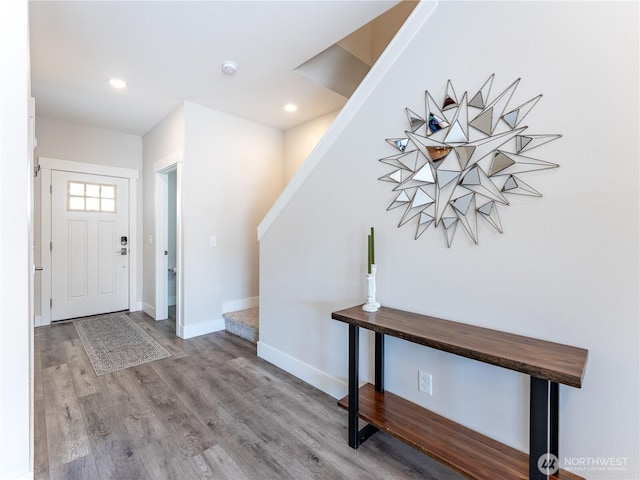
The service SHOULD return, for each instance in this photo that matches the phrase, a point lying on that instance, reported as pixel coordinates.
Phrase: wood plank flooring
(213, 410)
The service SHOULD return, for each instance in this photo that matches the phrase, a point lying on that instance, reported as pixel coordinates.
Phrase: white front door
(89, 244)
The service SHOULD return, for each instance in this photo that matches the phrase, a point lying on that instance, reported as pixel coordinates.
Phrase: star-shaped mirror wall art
(463, 159)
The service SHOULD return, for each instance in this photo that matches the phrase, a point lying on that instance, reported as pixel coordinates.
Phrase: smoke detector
(229, 67)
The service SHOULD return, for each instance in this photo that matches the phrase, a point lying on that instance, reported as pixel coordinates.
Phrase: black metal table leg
(354, 344)
(543, 428)
(357, 436)
(379, 362)
(554, 421)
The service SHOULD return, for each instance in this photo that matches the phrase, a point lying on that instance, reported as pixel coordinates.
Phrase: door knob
(122, 251)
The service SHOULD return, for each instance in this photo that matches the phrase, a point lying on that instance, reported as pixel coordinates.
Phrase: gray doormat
(114, 342)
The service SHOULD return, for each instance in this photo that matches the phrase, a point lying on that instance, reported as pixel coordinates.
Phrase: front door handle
(122, 251)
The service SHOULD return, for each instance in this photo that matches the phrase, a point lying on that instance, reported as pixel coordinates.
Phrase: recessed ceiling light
(291, 107)
(117, 83)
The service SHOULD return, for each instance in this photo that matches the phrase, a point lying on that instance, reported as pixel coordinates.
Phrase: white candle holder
(371, 305)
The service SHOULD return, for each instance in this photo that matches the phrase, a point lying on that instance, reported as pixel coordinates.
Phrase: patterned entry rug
(114, 342)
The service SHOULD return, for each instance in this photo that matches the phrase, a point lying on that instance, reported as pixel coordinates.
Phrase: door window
(91, 197)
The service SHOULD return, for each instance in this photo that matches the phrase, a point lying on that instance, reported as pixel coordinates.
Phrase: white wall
(233, 172)
(15, 325)
(300, 140)
(566, 267)
(165, 139)
(76, 142)
(83, 143)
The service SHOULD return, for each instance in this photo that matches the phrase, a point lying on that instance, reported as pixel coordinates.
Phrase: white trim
(32, 277)
(45, 238)
(46, 166)
(160, 169)
(240, 304)
(403, 38)
(161, 190)
(202, 328)
(93, 168)
(165, 163)
(37, 321)
(135, 306)
(330, 385)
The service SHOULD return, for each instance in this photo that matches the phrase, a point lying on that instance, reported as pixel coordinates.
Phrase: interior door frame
(161, 192)
(46, 166)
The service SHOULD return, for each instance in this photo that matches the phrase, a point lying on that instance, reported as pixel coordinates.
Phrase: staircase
(243, 323)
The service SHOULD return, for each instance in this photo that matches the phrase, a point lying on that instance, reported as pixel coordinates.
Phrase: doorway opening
(168, 244)
(171, 242)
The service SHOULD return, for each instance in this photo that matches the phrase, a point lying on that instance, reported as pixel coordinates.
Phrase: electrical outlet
(424, 382)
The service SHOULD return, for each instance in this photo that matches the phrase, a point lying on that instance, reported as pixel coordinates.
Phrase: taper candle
(369, 254)
(373, 248)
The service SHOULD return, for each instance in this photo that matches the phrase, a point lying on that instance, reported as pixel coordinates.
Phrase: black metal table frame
(543, 408)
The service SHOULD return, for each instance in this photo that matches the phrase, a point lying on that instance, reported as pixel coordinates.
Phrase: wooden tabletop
(539, 358)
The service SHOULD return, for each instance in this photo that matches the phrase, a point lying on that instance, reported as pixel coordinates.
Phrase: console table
(471, 453)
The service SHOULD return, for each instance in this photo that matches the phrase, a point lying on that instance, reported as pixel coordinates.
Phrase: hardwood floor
(213, 410)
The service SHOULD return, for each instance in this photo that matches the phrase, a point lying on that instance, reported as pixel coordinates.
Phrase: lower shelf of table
(471, 453)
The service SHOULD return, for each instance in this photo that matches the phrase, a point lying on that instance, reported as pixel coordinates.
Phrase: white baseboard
(240, 304)
(319, 379)
(135, 306)
(202, 328)
(149, 310)
(37, 321)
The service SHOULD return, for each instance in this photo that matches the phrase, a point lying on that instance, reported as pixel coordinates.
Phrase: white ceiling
(171, 51)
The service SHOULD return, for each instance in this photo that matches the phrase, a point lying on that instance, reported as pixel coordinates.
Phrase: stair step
(243, 323)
